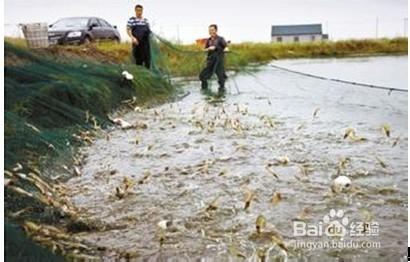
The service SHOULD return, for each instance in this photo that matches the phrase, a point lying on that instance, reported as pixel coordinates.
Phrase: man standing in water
(139, 31)
(215, 46)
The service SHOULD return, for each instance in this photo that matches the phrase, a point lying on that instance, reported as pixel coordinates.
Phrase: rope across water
(390, 89)
(197, 52)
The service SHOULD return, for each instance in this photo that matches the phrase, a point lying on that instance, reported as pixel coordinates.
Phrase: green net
(56, 102)
(51, 104)
(177, 60)
(47, 100)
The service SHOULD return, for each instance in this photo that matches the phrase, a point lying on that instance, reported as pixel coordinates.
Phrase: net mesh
(47, 100)
(53, 103)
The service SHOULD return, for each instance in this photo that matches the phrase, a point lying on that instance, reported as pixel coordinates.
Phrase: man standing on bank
(215, 62)
(139, 32)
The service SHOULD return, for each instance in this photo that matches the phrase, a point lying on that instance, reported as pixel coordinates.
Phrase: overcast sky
(238, 21)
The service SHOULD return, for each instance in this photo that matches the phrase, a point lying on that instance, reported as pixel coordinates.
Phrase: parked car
(81, 30)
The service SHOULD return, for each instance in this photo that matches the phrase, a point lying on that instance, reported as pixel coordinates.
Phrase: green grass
(187, 60)
(183, 62)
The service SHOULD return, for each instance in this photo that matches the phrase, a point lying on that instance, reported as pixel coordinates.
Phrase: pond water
(276, 139)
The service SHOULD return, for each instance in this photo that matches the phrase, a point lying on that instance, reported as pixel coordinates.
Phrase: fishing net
(57, 100)
(176, 60)
(49, 98)
(53, 105)
(46, 100)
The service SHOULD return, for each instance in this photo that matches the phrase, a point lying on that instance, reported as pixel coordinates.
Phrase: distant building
(298, 33)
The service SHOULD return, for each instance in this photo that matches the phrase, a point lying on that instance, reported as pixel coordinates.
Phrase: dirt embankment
(63, 53)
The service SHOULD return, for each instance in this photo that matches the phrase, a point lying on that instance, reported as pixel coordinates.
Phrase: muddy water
(200, 157)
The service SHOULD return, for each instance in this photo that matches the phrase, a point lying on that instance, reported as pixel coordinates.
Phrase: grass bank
(187, 60)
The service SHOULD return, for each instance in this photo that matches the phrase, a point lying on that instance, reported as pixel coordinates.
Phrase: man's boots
(204, 85)
(221, 88)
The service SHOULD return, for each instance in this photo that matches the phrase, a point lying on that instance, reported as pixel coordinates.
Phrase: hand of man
(134, 41)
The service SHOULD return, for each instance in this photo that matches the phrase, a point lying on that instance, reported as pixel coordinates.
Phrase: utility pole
(377, 27)
(405, 27)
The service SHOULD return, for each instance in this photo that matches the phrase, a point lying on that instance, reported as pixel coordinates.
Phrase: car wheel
(116, 40)
(87, 40)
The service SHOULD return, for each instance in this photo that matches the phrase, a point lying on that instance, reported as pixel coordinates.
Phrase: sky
(238, 21)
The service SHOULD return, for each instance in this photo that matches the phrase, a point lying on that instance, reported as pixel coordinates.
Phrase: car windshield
(71, 22)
